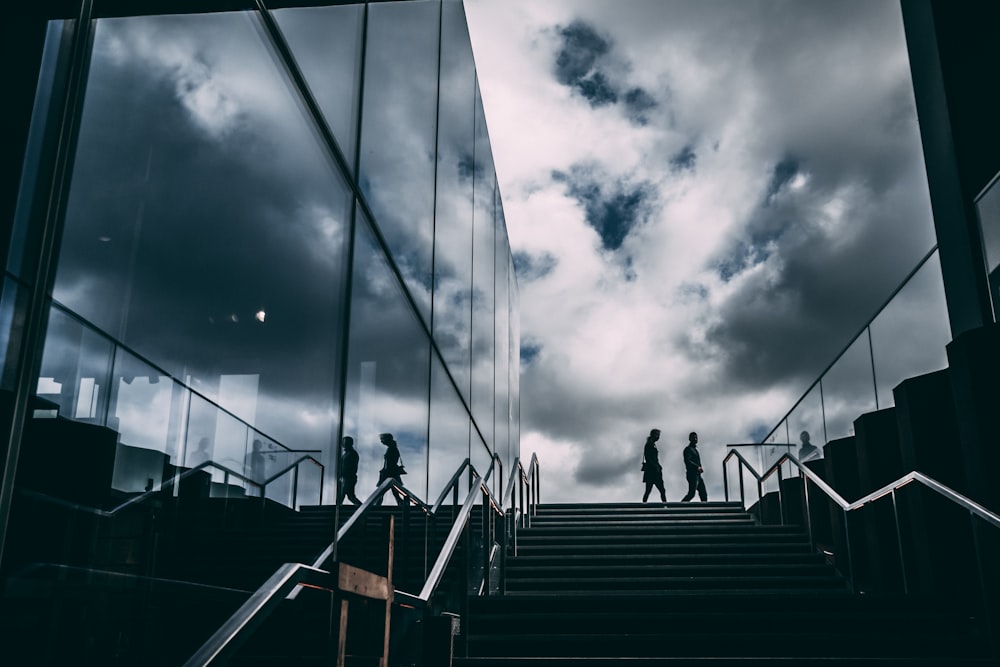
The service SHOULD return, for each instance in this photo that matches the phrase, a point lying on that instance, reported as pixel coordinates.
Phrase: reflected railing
(905, 337)
(149, 455)
(480, 578)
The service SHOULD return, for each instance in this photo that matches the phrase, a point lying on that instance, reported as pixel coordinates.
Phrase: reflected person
(693, 470)
(807, 450)
(652, 471)
(392, 466)
(348, 472)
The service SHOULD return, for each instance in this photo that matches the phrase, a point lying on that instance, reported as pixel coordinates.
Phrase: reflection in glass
(514, 332)
(988, 208)
(200, 200)
(454, 201)
(848, 389)
(12, 302)
(501, 413)
(449, 433)
(57, 38)
(910, 335)
(326, 43)
(483, 286)
(805, 426)
(397, 134)
(387, 372)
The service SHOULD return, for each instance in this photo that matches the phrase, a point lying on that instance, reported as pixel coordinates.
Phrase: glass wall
(273, 232)
(988, 209)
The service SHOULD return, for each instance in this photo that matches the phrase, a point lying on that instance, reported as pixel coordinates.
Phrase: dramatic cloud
(706, 200)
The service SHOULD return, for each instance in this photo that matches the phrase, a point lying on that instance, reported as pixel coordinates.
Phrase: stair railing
(974, 510)
(290, 577)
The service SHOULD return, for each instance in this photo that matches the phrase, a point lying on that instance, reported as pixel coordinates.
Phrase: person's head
(804, 437)
(693, 438)
(387, 439)
(348, 442)
(654, 435)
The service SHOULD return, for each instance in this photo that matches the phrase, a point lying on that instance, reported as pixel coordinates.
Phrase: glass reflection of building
(240, 234)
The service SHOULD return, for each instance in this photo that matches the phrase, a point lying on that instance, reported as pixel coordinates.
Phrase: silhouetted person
(693, 470)
(348, 472)
(652, 472)
(257, 463)
(808, 450)
(392, 467)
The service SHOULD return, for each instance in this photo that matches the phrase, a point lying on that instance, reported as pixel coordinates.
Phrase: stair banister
(972, 507)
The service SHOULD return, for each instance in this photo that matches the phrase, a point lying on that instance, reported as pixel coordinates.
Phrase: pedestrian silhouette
(693, 470)
(348, 472)
(392, 466)
(652, 472)
(808, 450)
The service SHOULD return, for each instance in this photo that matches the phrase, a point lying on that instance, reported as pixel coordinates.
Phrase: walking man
(693, 470)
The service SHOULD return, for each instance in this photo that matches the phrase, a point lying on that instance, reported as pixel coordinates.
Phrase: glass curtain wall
(275, 231)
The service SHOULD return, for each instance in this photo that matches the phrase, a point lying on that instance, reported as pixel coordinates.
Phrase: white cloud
(722, 303)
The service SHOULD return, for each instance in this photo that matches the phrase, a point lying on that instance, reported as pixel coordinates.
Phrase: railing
(174, 483)
(810, 479)
(905, 337)
(289, 579)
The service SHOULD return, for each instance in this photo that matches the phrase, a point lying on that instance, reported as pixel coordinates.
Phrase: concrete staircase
(696, 584)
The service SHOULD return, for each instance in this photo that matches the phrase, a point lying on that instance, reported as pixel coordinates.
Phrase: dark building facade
(236, 234)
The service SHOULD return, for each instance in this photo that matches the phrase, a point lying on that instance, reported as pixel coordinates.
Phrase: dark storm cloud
(612, 207)
(576, 63)
(585, 64)
(532, 267)
(781, 175)
(638, 103)
(529, 352)
(684, 160)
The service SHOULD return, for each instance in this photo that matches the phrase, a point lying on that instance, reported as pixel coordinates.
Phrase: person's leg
(692, 487)
(649, 487)
(702, 493)
(663, 492)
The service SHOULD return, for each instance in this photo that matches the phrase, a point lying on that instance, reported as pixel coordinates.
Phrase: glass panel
(13, 301)
(515, 368)
(326, 43)
(454, 203)
(147, 409)
(205, 227)
(501, 413)
(57, 38)
(397, 135)
(483, 261)
(387, 385)
(66, 433)
(988, 207)
(221, 440)
(910, 335)
(449, 434)
(805, 427)
(848, 391)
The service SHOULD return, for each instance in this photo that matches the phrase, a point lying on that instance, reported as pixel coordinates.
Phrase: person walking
(348, 472)
(652, 472)
(392, 466)
(693, 470)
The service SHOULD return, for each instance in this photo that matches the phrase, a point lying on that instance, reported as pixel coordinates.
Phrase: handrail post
(295, 487)
(850, 555)
(899, 542)
(742, 492)
(781, 504)
(725, 479)
(809, 523)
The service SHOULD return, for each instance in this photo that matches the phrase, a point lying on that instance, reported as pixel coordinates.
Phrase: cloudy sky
(705, 200)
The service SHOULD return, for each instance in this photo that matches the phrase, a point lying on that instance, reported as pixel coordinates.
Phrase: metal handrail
(974, 508)
(289, 578)
(231, 634)
(479, 485)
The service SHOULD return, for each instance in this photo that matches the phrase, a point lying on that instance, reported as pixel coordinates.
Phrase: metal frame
(974, 509)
